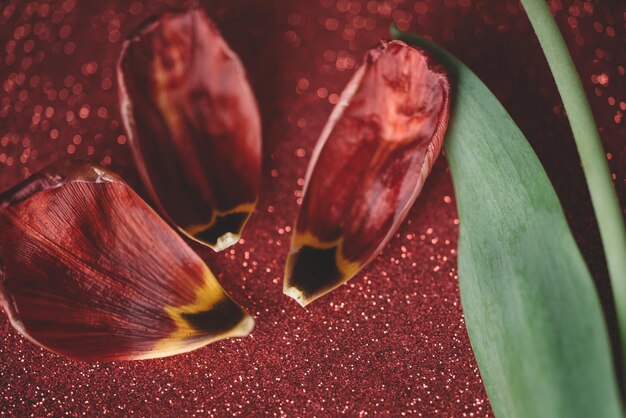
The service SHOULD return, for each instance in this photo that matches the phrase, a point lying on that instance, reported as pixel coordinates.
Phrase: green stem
(592, 156)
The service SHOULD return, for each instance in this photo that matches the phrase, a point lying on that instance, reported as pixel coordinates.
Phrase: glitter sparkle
(390, 342)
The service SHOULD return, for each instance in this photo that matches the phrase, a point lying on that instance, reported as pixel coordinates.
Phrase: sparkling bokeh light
(393, 340)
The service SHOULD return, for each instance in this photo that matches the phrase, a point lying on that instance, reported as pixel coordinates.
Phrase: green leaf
(532, 312)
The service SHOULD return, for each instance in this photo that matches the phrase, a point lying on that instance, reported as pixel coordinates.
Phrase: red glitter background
(391, 342)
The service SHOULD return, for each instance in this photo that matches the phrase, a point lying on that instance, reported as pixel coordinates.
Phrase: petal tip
(225, 241)
(222, 232)
(296, 294)
(219, 244)
(244, 328)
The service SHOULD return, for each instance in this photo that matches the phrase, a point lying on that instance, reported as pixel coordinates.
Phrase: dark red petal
(193, 125)
(91, 272)
(368, 168)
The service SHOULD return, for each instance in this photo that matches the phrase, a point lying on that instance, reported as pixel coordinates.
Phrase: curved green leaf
(532, 312)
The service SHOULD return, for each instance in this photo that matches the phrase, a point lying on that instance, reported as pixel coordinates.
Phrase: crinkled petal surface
(91, 272)
(193, 125)
(368, 168)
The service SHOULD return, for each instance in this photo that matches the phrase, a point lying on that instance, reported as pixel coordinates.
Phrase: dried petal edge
(32, 301)
(327, 256)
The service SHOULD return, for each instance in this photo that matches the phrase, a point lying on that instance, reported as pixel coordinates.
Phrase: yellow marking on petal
(228, 238)
(187, 338)
(346, 267)
(194, 229)
(300, 239)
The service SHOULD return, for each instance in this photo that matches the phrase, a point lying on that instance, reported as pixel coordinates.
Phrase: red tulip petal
(91, 272)
(193, 125)
(368, 168)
